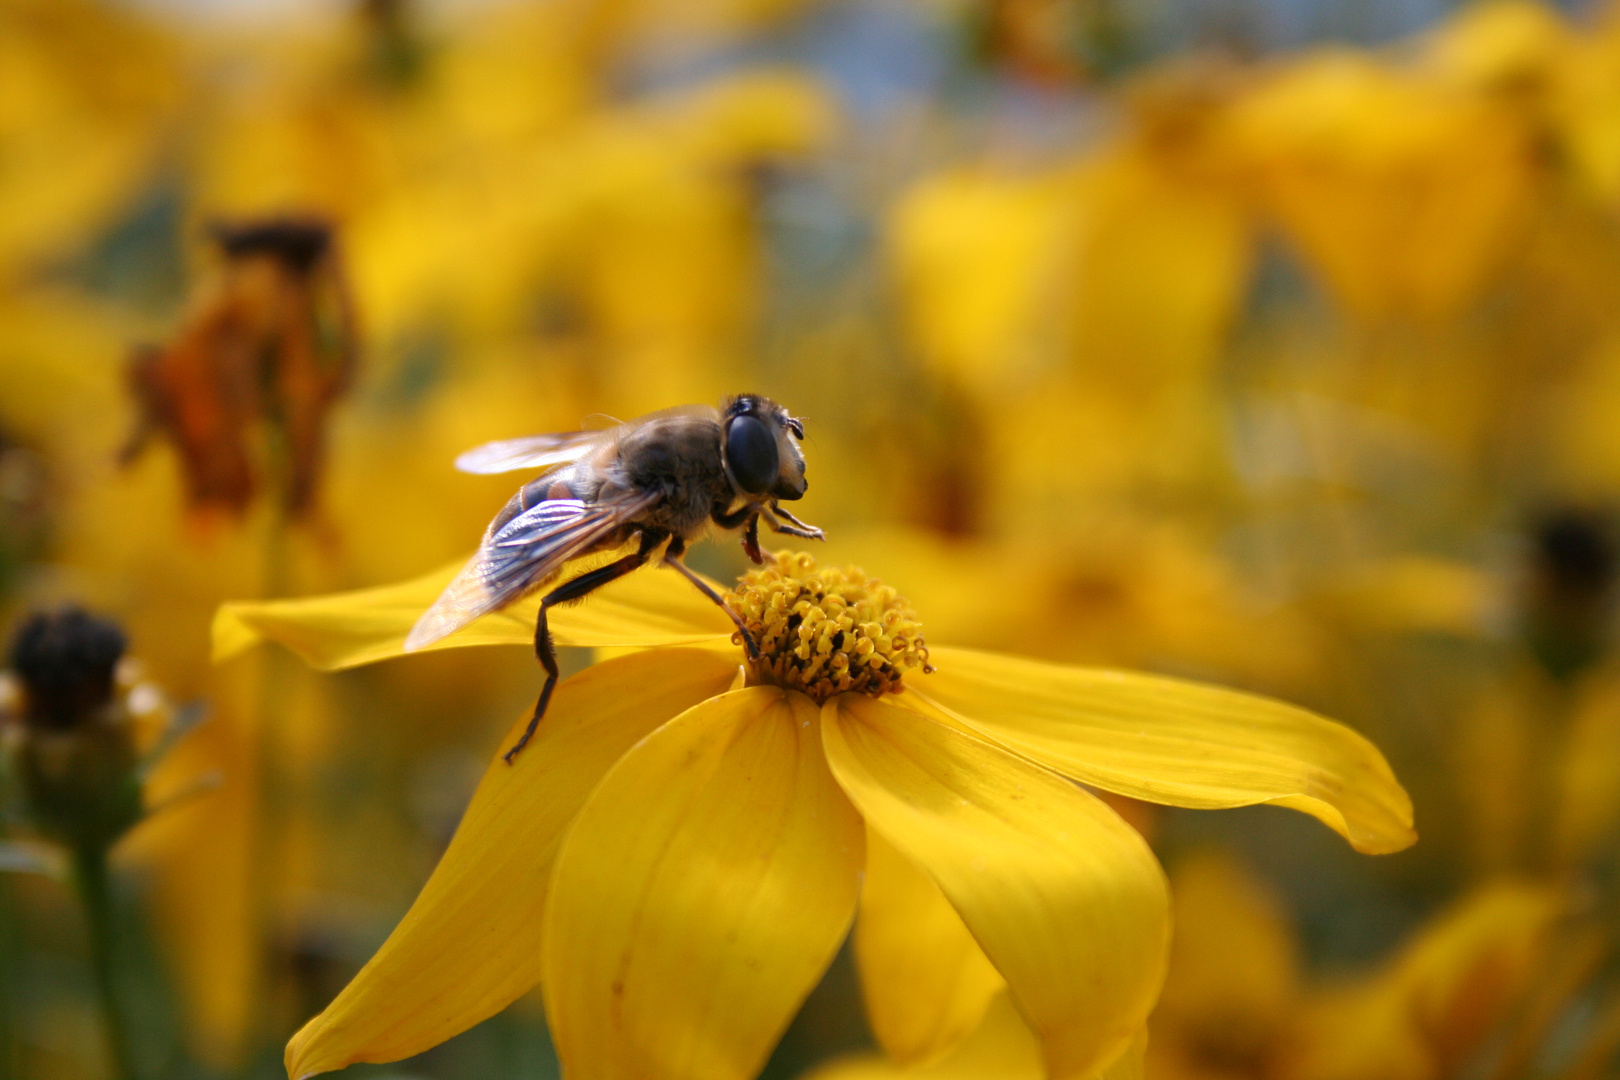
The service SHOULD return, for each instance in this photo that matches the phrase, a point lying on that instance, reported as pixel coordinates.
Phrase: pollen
(827, 631)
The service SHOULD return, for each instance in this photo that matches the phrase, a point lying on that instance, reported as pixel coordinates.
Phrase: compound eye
(751, 452)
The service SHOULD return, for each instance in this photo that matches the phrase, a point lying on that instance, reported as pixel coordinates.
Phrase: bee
(660, 481)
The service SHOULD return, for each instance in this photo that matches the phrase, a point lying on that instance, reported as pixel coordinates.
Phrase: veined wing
(531, 451)
(522, 554)
(561, 447)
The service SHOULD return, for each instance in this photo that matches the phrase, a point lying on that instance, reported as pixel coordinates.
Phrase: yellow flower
(1451, 1000)
(1233, 984)
(1436, 1006)
(678, 854)
(1405, 197)
(87, 92)
(977, 255)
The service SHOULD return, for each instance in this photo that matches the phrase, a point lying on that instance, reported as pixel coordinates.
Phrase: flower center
(826, 632)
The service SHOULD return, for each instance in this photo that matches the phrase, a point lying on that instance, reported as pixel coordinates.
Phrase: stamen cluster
(826, 632)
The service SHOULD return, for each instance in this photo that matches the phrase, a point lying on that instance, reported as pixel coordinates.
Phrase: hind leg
(543, 648)
(547, 653)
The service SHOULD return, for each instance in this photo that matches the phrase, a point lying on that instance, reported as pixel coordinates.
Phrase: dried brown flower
(268, 347)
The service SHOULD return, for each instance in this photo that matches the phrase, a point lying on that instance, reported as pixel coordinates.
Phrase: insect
(661, 480)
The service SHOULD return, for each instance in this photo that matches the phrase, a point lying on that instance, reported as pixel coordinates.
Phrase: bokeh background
(1271, 342)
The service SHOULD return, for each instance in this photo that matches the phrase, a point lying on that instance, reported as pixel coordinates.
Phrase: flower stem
(95, 896)
(270, 804)
(8, 958)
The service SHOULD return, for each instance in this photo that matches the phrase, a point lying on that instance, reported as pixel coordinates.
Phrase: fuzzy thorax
(828, 631)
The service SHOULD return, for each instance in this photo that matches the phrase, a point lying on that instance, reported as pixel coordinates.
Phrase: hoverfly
(660, 480)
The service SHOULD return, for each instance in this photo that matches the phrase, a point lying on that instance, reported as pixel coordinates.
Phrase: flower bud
(77, 758)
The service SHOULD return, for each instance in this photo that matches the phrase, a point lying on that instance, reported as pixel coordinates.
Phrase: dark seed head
(1569, 599)
(299, 243)
(1575, 552)
(65, 661)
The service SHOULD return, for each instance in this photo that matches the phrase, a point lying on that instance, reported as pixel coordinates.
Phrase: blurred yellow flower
(1405, 195)
(1415, 593)
(87, 90)
(1082, 304)
(1511, 46)
(1587, 772)
(1233, 984)
(1584, 104)
(1436, 1005)
(1128, 264)
(1451, 1001)
(978, 255)
(678, 856)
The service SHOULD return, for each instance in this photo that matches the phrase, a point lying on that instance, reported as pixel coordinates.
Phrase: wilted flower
(269, 343)
(680, 851)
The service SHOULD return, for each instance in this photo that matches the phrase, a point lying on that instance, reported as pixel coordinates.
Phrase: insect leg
(736, 518)
(543, 648)
(672, 559)
(750, 541)
(792, 526)
(746, 514)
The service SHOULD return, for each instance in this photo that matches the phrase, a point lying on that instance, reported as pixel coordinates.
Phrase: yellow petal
(924, 979)
(700, 894)
(348, 629)
(1064, 898)
(1002, 1048)
(471, 942)
(1171, 741)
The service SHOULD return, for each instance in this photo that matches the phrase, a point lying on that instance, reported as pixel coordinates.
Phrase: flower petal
(344, 630)
(1177, 742)
(1065, 899)
(924, 979)
(471, 942)
(1001, 1048)
(700, 894)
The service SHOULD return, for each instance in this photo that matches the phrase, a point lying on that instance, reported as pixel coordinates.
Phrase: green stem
(8, 995)
(95, 895)
(269, 824)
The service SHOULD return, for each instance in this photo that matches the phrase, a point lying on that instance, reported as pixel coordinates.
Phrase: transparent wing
(522, 554)
(561, 447)
(530, 452)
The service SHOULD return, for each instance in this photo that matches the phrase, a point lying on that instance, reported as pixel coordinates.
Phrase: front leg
(672, 559)
(747, 514)
(790, 525)
(750, 541)
(735, 517)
